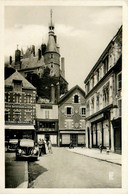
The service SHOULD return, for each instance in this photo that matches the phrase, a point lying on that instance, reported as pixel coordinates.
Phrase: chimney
(33, 50)
(39, 54)
(43, 49)
(63, 67)
(17, 56)
(10, 60)
(52, 94)
(58, 92)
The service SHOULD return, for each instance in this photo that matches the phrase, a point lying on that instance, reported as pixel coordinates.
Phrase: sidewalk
(95, 153)
(16, 172)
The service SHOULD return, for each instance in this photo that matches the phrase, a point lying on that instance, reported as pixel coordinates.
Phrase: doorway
(88, 137)
(117, 140)
(47, 137)
(74, 139)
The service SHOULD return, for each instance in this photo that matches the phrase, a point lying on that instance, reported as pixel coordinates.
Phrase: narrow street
(64, 169)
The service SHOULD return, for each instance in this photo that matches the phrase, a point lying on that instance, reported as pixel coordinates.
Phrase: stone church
(44, 65)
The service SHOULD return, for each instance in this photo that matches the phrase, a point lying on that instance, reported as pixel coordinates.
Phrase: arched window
(76, 99)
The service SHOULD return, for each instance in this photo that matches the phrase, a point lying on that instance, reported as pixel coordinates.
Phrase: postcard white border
(124, 5)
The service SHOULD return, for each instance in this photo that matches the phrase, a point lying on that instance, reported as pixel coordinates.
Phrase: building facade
(20, 110)
(47, 122)
(103, 98)
(71, 117)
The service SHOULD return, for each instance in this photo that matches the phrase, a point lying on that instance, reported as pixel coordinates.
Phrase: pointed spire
(51, 45)
(51, 26)
(51, 16)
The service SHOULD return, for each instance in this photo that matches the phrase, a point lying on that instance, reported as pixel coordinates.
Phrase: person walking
(46, 148)
(43, 147)
(101, 148)
(50, 146)
(40, 147)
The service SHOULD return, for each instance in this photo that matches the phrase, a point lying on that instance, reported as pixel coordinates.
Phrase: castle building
(103, 87)
(72, 112)
(20, 110)
(33, 66)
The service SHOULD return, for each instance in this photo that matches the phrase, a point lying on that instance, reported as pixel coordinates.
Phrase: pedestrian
(40, 147)
(101, 148)
(43, 147)
(50, 146)
(71, 144)
(46, 148)
(36, 148)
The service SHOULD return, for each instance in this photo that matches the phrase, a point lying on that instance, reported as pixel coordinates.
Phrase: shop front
(76, 137)
(98, 131)
(117, 135)
(47, 130)
(18, 131)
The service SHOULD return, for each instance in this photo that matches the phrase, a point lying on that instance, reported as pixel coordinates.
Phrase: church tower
(51, 55)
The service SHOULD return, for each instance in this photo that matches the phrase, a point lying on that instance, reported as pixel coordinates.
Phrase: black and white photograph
(63, 97)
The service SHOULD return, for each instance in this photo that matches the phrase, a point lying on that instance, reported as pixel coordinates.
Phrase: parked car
(12, 145)
(27, 150)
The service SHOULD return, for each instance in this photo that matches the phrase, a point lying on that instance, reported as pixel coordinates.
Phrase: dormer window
(17, 85)
(76, 99)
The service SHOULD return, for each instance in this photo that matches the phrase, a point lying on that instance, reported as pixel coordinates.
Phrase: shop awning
(20, 127)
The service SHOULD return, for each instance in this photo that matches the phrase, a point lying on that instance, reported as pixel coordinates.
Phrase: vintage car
(27, 150)
(12, 145)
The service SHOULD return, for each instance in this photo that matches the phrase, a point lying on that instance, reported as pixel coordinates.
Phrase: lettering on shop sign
(46, 107)
(46, 129)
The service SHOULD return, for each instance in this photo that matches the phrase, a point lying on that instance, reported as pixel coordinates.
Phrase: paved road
(64, 169)
(15, 171)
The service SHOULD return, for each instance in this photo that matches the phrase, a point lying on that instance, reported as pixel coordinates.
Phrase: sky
(83, 32)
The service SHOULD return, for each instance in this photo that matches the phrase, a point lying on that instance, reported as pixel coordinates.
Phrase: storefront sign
(47, 129)
(97, 118)
(46, 106)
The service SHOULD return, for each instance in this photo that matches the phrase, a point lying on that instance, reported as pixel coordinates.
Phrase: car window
(26, 143)
(13, 141)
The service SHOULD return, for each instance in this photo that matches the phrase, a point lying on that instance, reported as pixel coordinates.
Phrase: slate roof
(69, 92)
(51, 45)
(18, 76)
(32, 62)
